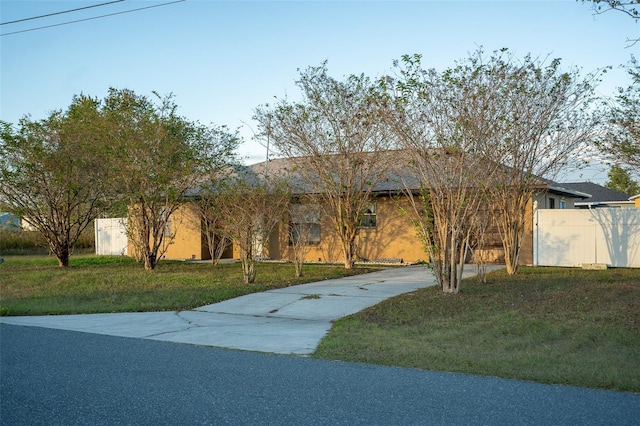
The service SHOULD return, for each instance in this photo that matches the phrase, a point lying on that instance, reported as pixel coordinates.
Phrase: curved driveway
(50, 377)
(289, 320)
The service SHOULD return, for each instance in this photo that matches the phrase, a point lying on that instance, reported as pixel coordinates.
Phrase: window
(552, 203)
(305, 224)
(368, 217)
(305, 233)
(563, 204)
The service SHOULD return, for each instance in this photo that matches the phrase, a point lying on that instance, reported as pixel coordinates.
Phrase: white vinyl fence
(575, 237)
(111, 236)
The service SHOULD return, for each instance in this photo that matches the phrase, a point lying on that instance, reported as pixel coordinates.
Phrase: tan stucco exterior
(189, 241)
(393, 237)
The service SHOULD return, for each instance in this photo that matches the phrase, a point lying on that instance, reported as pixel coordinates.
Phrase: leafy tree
(52, 171)
(622, 139)
(332, 137)
(620, 180)
(159, 157)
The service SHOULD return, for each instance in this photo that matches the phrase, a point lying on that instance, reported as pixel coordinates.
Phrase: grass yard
(552, 325)
(35, 285)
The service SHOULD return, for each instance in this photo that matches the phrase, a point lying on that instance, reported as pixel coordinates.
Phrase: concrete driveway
(290, 320)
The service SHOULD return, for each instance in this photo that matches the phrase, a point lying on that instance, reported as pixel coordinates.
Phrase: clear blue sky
(221, 59)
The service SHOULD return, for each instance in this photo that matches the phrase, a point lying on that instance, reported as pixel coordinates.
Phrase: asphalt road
(63, 377)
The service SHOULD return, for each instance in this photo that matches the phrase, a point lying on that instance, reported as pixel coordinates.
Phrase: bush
(32, 242)
(87, 240)
(19, 241)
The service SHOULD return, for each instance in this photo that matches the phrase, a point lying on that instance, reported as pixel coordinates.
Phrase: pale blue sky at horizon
(221, 59)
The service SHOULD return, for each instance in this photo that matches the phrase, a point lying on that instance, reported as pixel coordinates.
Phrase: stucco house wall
(189, 241)
(393, 238)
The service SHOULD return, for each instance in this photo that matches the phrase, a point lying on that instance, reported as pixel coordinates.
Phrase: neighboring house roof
(562, 189)
(600, 195)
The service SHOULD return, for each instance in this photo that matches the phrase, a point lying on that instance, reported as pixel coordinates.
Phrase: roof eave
(564, 191)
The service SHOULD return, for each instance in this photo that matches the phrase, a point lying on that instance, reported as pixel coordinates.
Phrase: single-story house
(386, 233)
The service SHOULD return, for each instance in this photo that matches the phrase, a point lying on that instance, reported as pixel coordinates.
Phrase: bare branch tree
(432, 120)
(304, 230)
(332, 137)
(629, 7)
(541, 117)
(622, 138)
(251, 207)
(210, 223)
(484, 132)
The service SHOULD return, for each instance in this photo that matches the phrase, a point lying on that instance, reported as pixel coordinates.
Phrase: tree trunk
(63, 262)
(298, 266)
(248, 264)
(349, 251)
(449, 280)
(220, 244)
(62, 253)
(150, 262)
(248, 271)
(511, 258)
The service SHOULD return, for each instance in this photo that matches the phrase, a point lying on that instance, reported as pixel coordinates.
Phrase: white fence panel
(574, 237)
(111, 236)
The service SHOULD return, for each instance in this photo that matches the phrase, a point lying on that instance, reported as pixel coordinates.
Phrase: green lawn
(34, 285)
(552, 325)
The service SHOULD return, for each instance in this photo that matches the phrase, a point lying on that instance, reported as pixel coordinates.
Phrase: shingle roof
(394, 180)
(599, 193)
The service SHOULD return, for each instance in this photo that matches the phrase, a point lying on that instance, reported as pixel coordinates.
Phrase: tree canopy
(51, 173)
(621, 141)
(631, 8)
(159, 157)
(332, 135)
(620, 180)
(127, 153)
(483, 133)
(249, 207)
